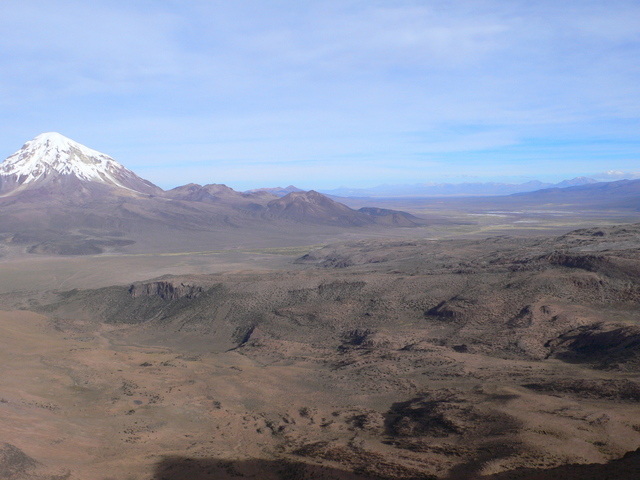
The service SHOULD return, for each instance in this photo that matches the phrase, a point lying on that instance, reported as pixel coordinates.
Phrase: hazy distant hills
(450, 189)
(624, 194)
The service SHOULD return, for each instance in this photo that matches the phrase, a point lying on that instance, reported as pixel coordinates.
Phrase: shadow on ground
(625, 468)
(184, 468)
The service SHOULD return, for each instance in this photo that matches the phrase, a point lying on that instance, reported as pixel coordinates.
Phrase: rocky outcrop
(165, 290)
(608, 345)
(590, 263)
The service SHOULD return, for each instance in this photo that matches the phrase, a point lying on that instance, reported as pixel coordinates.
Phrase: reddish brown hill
(313, 207)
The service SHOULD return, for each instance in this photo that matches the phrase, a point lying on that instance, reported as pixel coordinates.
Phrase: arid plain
(490, 345)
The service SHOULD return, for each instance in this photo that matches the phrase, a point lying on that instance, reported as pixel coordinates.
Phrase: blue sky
(327, 93)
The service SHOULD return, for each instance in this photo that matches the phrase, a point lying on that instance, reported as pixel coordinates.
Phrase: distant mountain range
(58, 196)
(451, 189)
(621, 194)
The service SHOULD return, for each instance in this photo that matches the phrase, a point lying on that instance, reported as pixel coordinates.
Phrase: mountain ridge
(58, 196)
(432, 189)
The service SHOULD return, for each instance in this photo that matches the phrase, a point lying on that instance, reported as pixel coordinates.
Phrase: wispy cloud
(613, 175)
(449, 84)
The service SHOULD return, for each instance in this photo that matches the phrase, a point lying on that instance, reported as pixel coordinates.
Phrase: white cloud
(612, 175)
(403, 81)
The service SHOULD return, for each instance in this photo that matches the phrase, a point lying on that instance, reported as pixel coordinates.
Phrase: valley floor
(408, 359)
(77, 404)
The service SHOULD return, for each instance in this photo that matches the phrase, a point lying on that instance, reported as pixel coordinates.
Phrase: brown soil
(470, 359)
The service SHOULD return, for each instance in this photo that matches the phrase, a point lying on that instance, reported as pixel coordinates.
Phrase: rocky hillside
(450, 359)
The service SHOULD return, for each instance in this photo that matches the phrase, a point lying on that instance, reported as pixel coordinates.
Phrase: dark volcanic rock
(165, 290)
(14, 463)
(606, 345)
(625, 390)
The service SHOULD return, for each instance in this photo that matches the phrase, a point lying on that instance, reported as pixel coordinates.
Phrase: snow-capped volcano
(51, 159)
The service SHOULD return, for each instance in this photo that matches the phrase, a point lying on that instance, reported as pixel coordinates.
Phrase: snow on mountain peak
(52, 154)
